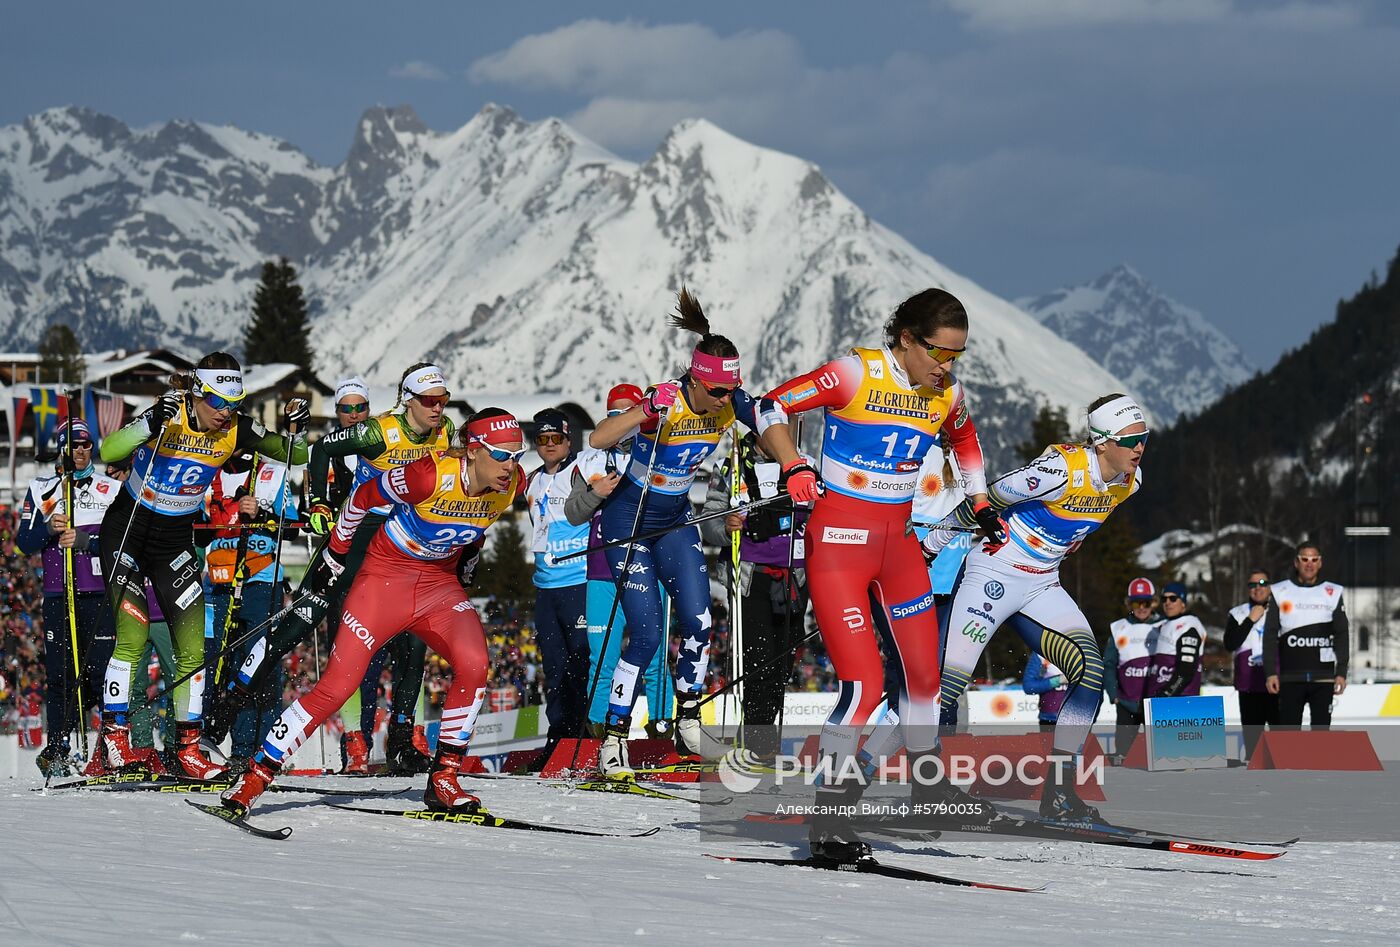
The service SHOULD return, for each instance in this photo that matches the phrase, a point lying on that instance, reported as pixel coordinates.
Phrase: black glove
(467, 563)
(297, 412)
(992, 525)
(330, 567)
(166, 409)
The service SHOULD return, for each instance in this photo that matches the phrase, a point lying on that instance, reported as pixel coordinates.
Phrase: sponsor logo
(505, 424)
(983, 615)
(931, 485)
(392, 436)
(1308, 641)
(358, 629)
(227, 379)
(181, 559)
(134, 612)
(994, 589)
(853, 617)
(828, 380)
(104, 487)
(464, 606)
(907, 466)
(798, 394)
(637, 568)
(637, 586)
(935, 416)
(1033, 482)
(845, 537)
(960, 418)
(975, 631)
(876, 368)
(449, 481)
(1079, 478)
(907, 609)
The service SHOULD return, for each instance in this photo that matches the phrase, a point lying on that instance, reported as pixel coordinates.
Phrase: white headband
(1111, 418)
(224, 382)
(354, 385)
(425, 378)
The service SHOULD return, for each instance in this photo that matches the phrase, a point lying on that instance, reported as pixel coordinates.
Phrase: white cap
(354, 385)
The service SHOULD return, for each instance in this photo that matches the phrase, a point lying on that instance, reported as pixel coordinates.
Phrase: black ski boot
(401, 756)
(55, 760)
(227, 706)
(938, 803)
(1058, 799)
(831, 835)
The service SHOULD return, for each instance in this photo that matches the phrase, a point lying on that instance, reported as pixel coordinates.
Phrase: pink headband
(719, 370)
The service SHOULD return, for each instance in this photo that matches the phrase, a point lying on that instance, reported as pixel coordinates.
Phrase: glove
(297, 412)
(333, 563)
(801, 481)
(992, 526)
(321, 518)
(658, 398)
(166, 409)
(466, 565)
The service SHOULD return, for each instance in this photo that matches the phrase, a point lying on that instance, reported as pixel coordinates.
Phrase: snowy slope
(97, 868)
(1166, 352)
(519, 255)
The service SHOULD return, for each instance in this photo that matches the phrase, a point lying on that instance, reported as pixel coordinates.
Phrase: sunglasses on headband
(941, 354)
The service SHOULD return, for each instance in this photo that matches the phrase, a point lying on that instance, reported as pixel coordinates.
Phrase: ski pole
(69, 595)
(652, 534)
(621, 578)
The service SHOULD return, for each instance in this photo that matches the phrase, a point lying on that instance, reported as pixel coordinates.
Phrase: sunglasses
(1130, 441)
(546, 440)
(1171, 598)
(219, 402)
(717, 391)
(352, 408)
(432, 401)
(940, 354)
(1261, 584)
(501, 456)
(1309, 558)
(1141, 602)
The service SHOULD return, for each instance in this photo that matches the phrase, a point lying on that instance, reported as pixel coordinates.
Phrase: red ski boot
(251, 784)
(356, 755)
(189, 758)
(443, 793)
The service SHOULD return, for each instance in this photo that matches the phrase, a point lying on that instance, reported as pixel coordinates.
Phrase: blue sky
(1241, 155)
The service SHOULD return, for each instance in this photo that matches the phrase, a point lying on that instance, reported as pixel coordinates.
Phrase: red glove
(801, 481)
(992, 526)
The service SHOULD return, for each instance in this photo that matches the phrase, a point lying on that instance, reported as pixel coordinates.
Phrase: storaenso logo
(359, 630)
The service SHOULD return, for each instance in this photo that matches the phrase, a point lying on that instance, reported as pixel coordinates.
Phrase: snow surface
(86, 868)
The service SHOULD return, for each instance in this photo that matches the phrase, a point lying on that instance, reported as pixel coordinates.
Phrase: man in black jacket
(1307, 641)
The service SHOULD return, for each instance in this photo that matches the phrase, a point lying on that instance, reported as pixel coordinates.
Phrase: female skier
(408, 581)
(676, 426)
(1048, 506)
(884, 408)
(177, 447)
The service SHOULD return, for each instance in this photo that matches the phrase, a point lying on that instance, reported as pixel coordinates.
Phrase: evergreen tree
(60, 357)
(278, 331)
(506, 568)
(1050, 426)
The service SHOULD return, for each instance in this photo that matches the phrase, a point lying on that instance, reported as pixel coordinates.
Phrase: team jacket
(689, 438)
(1049, 506)
(377, 444)
(432, 515)
(1246, 639)
(1130, 649)
(554, 535)
(91, 497)
(878, 428)
(272, 493)
(1306, 634)
(1177, 645)
(171, 480)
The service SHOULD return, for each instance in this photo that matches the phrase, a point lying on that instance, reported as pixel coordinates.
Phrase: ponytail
(690, 317)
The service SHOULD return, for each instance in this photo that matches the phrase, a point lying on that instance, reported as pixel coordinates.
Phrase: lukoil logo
(359, 630)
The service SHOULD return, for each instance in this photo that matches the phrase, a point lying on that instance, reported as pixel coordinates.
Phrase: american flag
(103, 411)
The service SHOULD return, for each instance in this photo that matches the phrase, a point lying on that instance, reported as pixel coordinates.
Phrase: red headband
(497, 429)
(718, 370)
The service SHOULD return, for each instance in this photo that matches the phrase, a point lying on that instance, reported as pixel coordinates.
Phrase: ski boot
(692, 741)
(251, 784)
(443, 793)
(116, 744)
(356, 754)
(53, 760)
(189, 759)
(1059, 801)
(402, 755)
(831, 835)
(613, 760)
(939, 803)
(227, 706)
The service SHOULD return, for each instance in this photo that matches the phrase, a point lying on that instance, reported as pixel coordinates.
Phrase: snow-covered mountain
(1166, 352)
(520, 256)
